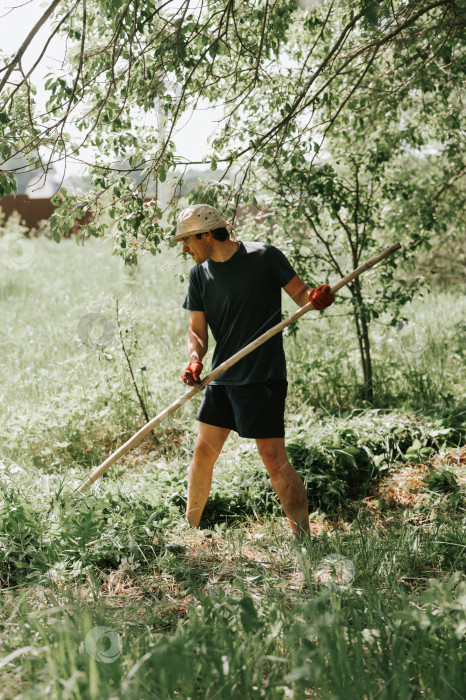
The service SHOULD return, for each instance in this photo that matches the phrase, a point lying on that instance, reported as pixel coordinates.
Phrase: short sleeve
(281, 269)
(193, 300)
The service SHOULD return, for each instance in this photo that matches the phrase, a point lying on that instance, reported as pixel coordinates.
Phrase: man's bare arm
(298, 291)
(197, 336)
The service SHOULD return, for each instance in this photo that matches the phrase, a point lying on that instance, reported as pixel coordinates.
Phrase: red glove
(192, 373)
(321, 297)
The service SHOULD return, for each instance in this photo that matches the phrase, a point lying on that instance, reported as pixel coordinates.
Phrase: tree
(341, 190)
(124, 58)
(346, 119)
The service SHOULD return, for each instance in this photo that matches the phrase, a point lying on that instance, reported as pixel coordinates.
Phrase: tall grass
(113, 596)
(79, 396)
(52, 383)
(259, 628)
(417, 364)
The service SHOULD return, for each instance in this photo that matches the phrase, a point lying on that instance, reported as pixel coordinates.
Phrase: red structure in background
(32, 211)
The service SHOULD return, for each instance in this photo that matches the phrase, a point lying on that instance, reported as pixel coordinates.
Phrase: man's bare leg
(208, 446)
(286, 482)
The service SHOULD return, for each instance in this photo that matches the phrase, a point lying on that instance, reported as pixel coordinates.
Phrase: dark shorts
(251, 410)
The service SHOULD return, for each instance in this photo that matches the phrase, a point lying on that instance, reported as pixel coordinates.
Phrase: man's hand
(192, 373)
(321, 297)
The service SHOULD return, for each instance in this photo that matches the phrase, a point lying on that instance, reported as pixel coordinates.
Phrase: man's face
(198, 248)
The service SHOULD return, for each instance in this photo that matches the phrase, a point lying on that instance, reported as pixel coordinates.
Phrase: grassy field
(113, 596)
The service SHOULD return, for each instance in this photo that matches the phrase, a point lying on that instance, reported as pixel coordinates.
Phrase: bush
(67, 537)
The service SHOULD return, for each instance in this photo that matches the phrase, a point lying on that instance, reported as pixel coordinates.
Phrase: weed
(443, 482)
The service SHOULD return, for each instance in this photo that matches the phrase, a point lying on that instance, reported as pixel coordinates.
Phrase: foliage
(378, 633)
(227, 611)
(348, 112)
(12, 226)
(69, 538)
(443, 482)
(341, 465)
(67, 404)
(247, 637)
(285, 77)
(332, 121)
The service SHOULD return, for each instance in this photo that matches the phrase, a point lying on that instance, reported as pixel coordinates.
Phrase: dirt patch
(405, 487)
(402, 489)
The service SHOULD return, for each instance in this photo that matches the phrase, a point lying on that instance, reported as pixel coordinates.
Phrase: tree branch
(11, 66)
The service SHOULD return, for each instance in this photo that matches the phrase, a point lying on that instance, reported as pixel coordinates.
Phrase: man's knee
(209, 441)
(204, 449)
(273, 455)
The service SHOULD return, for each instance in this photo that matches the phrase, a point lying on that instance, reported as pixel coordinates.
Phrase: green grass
(53, 383)
(236, 610)
(417, 365)
(241, 614)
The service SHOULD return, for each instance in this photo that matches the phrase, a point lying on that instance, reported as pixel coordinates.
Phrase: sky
(18, 17)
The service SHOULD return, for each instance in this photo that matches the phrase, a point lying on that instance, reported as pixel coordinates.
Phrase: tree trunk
(362, 332)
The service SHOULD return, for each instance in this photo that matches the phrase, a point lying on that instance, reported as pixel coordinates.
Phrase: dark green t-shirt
(241, 299)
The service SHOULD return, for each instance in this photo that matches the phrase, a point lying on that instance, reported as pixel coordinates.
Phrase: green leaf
(248, 614)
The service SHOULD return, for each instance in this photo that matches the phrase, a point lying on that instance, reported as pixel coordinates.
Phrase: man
(235, 289)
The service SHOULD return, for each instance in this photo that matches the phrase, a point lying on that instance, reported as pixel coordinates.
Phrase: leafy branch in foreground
(134, 70)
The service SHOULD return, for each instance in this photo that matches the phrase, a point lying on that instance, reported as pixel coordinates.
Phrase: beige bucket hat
(198, 218)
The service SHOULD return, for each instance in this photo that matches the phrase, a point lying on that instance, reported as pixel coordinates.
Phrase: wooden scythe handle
(137, 437)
